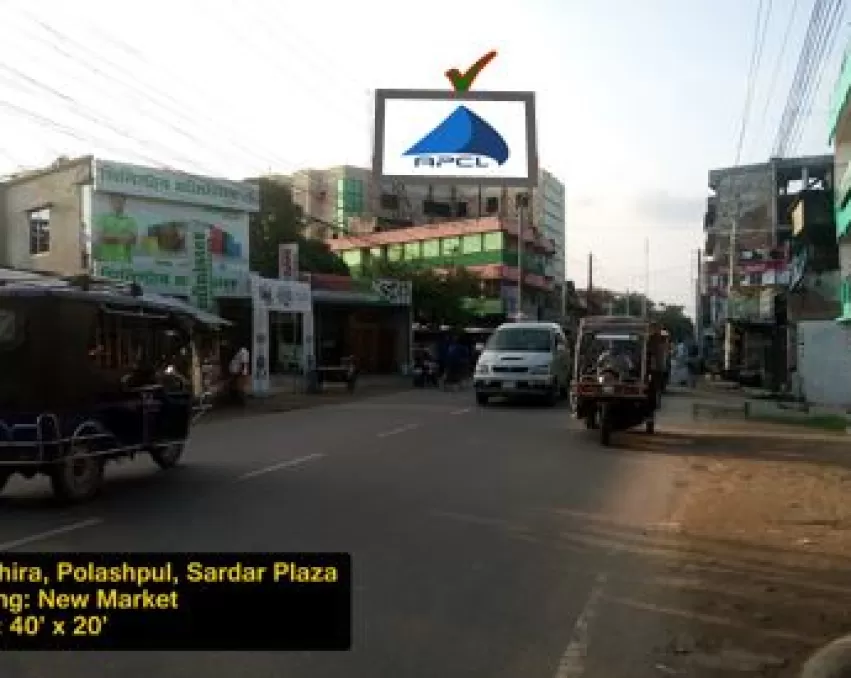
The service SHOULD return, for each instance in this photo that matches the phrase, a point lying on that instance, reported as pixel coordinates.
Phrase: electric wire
(777, 64)
(827, 53)
(801, 81)
(815, 62)
(751, 80)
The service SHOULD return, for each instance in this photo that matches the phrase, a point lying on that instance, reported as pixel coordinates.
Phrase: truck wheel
(591, 419)
(482, 399)
(605, 426)
(77, 477)
(169, 456)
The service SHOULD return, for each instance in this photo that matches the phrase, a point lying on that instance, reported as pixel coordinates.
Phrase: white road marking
(463, 410)
(65, 529)
(572, 663)
(397, 431)
(282, 465)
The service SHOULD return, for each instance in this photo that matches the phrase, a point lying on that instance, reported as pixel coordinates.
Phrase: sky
(636, 100)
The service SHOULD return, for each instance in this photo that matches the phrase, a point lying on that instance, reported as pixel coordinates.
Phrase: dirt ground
(760, 550)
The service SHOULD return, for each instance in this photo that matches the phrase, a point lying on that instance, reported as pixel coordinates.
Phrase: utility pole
(645, 311)
(590, 280)
(731, 277)
(521, 209)
(628, 309)
(698, 304)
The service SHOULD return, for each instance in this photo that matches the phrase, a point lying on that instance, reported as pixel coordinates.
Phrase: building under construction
(745, 275)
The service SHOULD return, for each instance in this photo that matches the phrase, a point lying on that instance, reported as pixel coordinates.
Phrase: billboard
(171, 186)
(426, 136)
(160, 245)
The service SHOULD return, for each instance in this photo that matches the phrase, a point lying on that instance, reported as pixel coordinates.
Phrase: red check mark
(461, 82)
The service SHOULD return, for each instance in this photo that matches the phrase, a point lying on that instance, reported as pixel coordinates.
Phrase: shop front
(175, 234)
(369, 321)
(282, 329)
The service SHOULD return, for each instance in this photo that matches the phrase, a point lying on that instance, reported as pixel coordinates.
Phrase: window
(394, 252)
(471, 243)
(493, 242)
(376, 253)
(352, 257)
(451, 247)
(492, 205)
(39, 231)
(412, 250)
(431, 249)
(119, 341)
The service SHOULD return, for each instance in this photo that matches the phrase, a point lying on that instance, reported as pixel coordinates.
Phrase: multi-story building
(750, 216)
(443, 225)
(840, 136)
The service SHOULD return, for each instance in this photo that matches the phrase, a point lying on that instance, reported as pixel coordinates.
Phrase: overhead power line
(834, 22)
(818, 42)
(778, 63)
(760, 30)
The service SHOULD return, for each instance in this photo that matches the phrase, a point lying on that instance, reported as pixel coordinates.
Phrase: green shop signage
(144, 182)
(163, 281)
(201, 285)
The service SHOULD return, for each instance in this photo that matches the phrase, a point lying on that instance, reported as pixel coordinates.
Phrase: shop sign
(201, 286)
(170, 186)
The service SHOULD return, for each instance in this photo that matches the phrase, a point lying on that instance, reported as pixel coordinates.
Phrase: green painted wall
(845, 299)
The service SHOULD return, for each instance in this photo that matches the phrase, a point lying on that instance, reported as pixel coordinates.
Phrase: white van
(528, 359)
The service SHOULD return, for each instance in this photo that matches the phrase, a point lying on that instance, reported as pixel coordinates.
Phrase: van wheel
(552, 397)
(77, 477)
(168, 456)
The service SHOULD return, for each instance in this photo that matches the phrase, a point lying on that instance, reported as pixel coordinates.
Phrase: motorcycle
(425, 373)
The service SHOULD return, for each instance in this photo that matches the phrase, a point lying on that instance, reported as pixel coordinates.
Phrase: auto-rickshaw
(92, 372)
(612, 388)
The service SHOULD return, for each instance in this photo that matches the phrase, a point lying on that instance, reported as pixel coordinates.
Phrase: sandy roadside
(760, 550)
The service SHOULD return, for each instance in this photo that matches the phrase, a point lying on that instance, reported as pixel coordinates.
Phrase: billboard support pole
(520, 210)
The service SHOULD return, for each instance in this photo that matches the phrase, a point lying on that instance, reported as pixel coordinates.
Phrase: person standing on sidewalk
(693, 366)
(239, 369)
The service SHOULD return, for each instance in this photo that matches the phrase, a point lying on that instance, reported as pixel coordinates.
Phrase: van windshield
(528, 339)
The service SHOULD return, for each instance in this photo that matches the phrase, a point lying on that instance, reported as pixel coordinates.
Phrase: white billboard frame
(530, 180)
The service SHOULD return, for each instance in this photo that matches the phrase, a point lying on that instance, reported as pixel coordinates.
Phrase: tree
(671, 317)
(438, 296)
(281, 221)
(674, 319)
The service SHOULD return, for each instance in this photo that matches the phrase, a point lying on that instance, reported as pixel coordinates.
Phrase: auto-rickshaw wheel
(168, 456)
(77, 477)
(605, 426)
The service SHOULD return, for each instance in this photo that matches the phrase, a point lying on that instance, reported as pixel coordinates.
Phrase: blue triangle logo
(463, 132)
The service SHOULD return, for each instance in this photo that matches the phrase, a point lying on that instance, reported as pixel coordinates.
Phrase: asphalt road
(492, 542)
